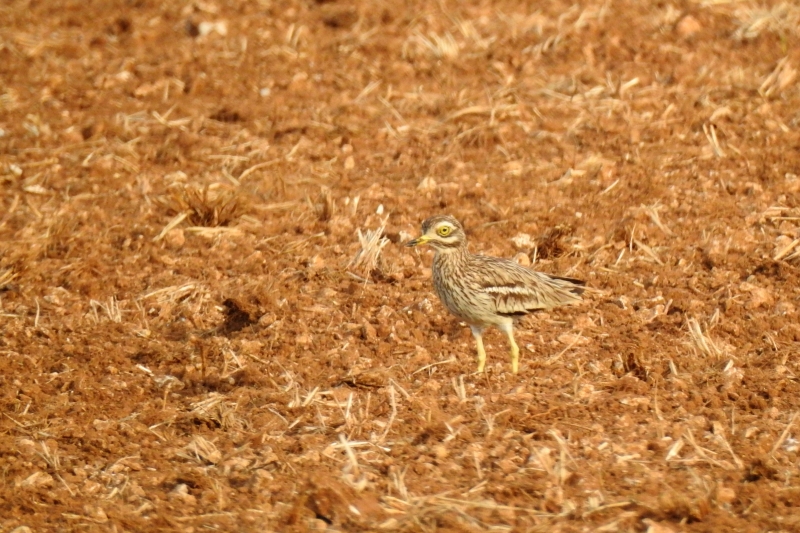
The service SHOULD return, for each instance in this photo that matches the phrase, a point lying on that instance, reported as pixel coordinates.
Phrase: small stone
(181, 493)
(251, 347)
(759, 296)
(570, 339)
(585, 391)
(688, 26)
(401, 330)
(368, 332)
(507, 466)
(523, 240)
(72, 135)
(725, 494)
(299, 79)
(441, 451)
(97, 514)
(656, 527)
(175, 238)
(36, 480)
(26, 447)
(751, 432)
(325, 294)
(384, 314)
(522, 259)
(427, 184)
(304, 339)
(316, 263)
(220, 27)
(267, 320)
(421, 357)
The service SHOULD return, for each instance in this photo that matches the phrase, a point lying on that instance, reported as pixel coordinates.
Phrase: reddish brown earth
(191, 340)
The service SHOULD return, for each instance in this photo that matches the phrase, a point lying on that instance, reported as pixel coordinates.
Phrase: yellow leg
(478, 334)
(509, 331)
(514, 355)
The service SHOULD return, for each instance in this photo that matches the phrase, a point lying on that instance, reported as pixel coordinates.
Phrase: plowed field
(208, 320)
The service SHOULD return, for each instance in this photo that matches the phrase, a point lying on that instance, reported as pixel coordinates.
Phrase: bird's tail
(571, 285)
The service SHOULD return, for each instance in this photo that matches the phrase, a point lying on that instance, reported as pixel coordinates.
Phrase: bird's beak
(419, 240)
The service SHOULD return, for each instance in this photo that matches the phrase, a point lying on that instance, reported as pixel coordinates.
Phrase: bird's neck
(452, 255)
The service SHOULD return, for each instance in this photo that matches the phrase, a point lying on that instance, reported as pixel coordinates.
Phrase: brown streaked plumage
(488, 291)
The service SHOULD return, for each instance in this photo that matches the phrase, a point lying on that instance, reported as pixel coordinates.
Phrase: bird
(488, 291)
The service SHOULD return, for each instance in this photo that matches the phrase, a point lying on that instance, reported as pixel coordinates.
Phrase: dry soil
(209, 320)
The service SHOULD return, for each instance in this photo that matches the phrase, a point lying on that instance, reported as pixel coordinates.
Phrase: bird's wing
(516, 290)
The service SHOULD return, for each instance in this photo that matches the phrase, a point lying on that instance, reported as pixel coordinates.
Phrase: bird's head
(443, 233)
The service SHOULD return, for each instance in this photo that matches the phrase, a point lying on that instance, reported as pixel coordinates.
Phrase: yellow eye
(444, 231)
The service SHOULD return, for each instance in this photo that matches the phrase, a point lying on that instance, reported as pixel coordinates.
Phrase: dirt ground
(209, 320)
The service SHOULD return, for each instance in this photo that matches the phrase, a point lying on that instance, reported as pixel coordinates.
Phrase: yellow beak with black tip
(418, 241)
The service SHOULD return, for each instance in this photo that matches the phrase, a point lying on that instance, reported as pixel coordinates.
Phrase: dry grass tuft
(551, 243)
(787, 251)
(701, 341)
(210, 206)
(202, 451)
(326, 207)
(367, 260)
(783, 76)
(438, 46)
(6, 277)
(9, 100)
(753, 21)
(111, 310)
(175, 294)
(218, 411)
